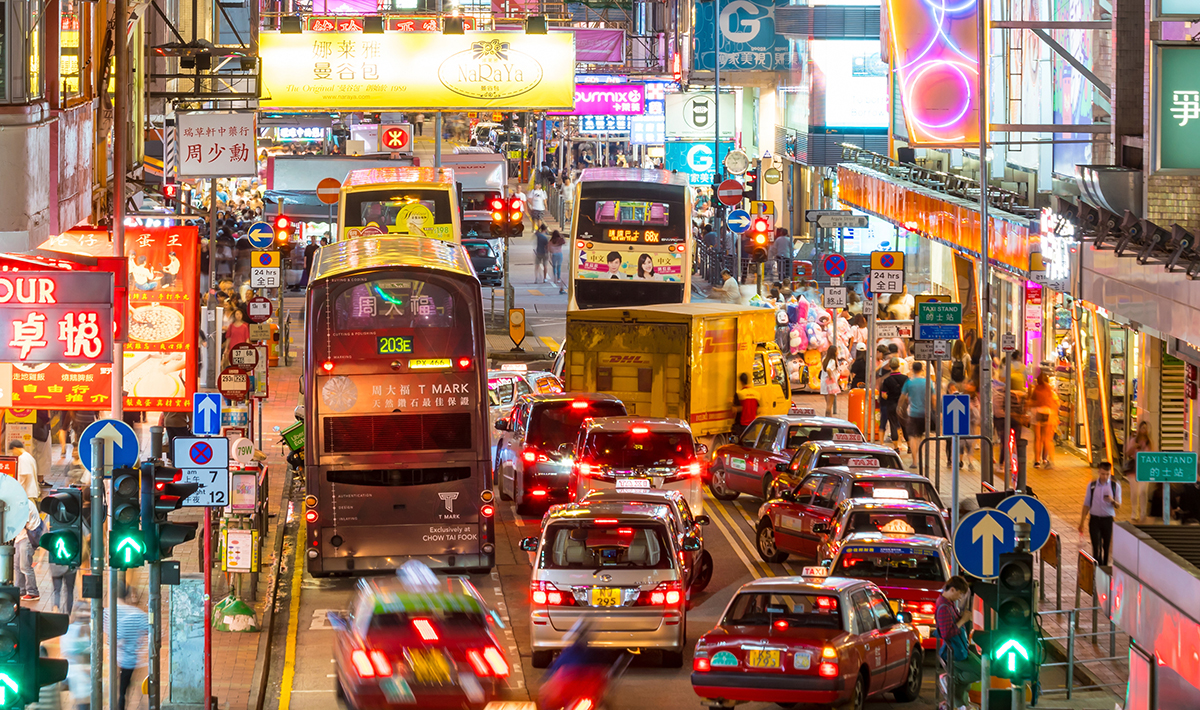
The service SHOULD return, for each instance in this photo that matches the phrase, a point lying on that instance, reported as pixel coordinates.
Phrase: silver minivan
(616, 566)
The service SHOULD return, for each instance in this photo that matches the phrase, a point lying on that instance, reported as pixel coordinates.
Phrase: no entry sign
(328, 190)
(729, 192)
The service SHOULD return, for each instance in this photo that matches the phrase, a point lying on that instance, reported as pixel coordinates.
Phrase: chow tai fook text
(160, 357)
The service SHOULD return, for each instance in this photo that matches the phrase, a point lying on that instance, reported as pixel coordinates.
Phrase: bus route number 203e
(394, 345)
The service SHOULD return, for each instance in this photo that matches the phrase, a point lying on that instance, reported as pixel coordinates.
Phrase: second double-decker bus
(400, 202)
(396, 409)
(631, 242)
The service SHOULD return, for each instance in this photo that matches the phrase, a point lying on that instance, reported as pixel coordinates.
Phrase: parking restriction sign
(206, 462)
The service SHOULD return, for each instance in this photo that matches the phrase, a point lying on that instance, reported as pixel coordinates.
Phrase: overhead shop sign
(1175, 102)
(695, 160)
(477, 71)
(749, 41)
(607, 100)
(217, 144)
(693, 116)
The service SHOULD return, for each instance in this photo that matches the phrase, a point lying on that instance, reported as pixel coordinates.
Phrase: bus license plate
(758, 658)
(606, 596)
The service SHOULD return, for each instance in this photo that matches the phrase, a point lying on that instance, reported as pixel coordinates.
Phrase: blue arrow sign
(1027, 509)
(120, 443)
(738, 221)
(261, 235)
(206, 413)
(956, 415)
(980, 539)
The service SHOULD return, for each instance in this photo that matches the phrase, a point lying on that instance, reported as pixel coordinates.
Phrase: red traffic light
(761, 225)
(515, 204)
(496, 204)
(282, 223)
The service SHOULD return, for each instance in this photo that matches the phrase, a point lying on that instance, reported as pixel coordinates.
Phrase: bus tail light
(546, 594)
(487, 510)
(463, 363)
(327, 366)
(310, 516)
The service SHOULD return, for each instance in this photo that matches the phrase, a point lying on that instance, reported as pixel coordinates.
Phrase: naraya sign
(52, 316)
(477, 71)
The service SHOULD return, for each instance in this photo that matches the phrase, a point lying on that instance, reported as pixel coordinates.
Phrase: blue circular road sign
(738, 220)
(1027, 509)
(261, 235)
(119, 438)
(834, 264)
(980, 539)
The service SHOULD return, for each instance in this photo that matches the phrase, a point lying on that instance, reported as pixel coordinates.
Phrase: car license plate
(760, 658)
(633, 484)
(606, 596)
(429, 667)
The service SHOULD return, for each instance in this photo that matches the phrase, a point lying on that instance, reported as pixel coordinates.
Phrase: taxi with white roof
(749, 463)
(910, 569)
(513, 379)
(815, 639)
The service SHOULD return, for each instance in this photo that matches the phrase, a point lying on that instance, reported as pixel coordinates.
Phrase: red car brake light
(480, 666)
(425, 628)
(362, 664)
(827, 670)
(546, 594)
(383, 668)
(496, 661)
(579, 404)
(665, 594)
(927, 607)
(701, 665)
(640, 430)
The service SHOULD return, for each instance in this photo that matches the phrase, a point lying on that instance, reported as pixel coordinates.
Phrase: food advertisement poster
(604, 262)
(160, 357)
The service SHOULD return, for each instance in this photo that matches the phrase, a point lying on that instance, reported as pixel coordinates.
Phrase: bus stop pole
(869, 304)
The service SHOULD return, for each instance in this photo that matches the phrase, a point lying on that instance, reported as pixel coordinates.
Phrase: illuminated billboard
(935, 54)
(418, 70)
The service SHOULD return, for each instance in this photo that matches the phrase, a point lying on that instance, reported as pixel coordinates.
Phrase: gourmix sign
(482, 70)
(607, 100)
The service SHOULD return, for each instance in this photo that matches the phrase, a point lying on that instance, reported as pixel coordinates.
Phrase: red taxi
(424, 646)
(748, 465)
(809, 639)
(910, 569)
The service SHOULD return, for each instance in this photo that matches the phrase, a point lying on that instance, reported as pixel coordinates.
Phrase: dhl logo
(711, 416)
(720, 341)
(635, 359)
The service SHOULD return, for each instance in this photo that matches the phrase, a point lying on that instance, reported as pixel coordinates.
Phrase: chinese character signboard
(160, 357)
(53, 316)
(604, 124)
(695, 160)
(748, 38)
(216, 144)
(607, 100)
(403, 70)
(1175, 102)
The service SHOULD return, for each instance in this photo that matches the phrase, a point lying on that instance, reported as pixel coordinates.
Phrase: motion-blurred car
(404, 645)
(910, 569)
(748, 465)
(485, 259)
(829, 641)
(699, 563)
(505, 387)
(616, 566)
(534, 457)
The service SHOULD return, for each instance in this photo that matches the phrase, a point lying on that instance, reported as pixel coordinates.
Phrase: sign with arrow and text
(956, 415)
(206, 413)
(980, 539)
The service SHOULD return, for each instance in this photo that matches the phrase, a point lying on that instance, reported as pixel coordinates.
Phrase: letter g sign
(700, 158)
(734, 26)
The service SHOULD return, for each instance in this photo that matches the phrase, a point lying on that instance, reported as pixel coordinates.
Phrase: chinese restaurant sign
(216, 144)
(935, 53)
(1177, 107)
(607, 100)
(478, 71)
(55, 316)
(160, 357)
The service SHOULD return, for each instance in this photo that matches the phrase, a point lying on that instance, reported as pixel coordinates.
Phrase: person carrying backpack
(1100, 504)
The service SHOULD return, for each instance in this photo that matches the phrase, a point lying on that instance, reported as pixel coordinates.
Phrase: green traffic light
(1012, 647)
(9, 690)
(127, 551)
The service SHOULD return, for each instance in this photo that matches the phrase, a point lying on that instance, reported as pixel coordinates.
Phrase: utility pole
(97, 571)
(154, 657)
(985, 253)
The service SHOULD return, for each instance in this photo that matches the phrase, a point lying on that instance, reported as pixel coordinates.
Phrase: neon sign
(935, 54)
(48, 317)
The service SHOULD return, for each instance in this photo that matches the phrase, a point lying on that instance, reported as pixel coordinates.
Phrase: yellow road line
(549, 342)
(737, 549)
(754, 525)
(289, 654)
(766, 571)
(534, 292)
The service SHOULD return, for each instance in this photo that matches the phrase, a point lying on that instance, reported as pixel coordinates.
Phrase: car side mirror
(337, 620)
(820, 528)
(502, 425)
(703, 519)
(781, 468)
(904, 617)
(888, 622)
(691, 543)
(529, 544)
(701, 449)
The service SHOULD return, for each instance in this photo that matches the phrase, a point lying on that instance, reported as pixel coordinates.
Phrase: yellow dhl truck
(678, 360)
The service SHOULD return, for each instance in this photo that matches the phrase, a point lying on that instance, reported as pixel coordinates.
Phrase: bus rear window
(393, 304)
(631, 212)
(392, 209)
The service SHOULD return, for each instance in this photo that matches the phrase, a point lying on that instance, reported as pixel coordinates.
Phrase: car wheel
(911, 689)
(718, 486)
(859, 696)
(766, 543)
(542, 659)
(768, 483)
(718, 441)
(672, 659)
(500, 480)
(704, 572)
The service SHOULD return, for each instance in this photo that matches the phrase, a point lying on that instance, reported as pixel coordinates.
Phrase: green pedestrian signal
(64, 511)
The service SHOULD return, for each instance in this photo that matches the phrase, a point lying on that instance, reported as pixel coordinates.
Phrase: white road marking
(320, 622)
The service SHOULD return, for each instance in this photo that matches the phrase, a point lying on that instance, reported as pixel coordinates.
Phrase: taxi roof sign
(897, 527)
(814, 572)
(804, 411)
(896, 493)
(862, 463)
(514, 367)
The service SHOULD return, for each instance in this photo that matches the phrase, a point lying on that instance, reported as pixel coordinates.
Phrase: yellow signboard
(887, 260)
(418, 70)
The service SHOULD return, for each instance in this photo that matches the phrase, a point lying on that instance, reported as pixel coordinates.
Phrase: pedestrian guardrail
(1051, 554)
(285, 339)
(1070, 638)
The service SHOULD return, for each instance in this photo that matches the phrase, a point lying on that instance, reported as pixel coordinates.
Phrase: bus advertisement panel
(401, 202)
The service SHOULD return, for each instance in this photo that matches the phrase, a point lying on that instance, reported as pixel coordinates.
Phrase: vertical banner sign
(935, 54)
(217, 144)
(1176, 107)
(748, 42)
(160, 357)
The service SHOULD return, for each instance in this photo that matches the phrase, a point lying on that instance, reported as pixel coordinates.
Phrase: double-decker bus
(400, 202)
(396, 409)
(631, 239)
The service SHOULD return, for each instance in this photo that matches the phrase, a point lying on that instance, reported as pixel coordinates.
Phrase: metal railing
(1086, 583)
(285, 339)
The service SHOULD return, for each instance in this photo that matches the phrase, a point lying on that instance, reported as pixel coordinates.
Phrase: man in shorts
(913, 395)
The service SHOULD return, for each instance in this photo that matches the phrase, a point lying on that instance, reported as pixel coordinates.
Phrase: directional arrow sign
(738, 221)
(1027, 509)
(206, 413)
(956, 418)
(1012, 648)
(829, 221)
(120, 443)
(7, 685)
(129, 547)
(980, 539)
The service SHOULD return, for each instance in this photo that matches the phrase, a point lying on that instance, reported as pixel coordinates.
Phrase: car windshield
(604, 544)
(855, 459)
(894, 522)
(556, 423)
(639, 448)
(804, 610)
(897, 489)
(799, 433)
(478, 248)
(476, 228)
(890, 564)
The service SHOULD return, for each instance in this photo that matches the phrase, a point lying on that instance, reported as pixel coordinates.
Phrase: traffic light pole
(98, 547)
(154, 657)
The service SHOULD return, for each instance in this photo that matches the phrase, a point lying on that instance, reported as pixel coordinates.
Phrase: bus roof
(377, 176)
(382, 252)
(661, 177)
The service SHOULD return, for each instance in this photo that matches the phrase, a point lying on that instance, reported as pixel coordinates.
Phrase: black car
(486, 260)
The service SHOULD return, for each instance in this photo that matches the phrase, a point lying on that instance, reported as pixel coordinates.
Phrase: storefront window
(20, 52)
(69, 50)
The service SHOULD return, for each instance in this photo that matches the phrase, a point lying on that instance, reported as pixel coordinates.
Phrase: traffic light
(1014, 643)
(161, 494)
(11, 672)
(283, 226)
(126, 545)
(516, 216)
(170, 191)
(750, 184)
(759, 239)
(64, 539)
(498, 208)
(37, 672)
